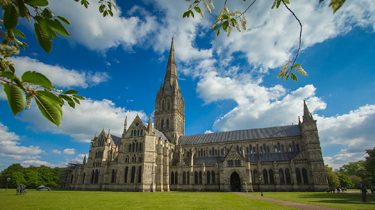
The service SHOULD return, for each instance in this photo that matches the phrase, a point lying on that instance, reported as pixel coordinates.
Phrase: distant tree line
(32, 176)
(351, 174)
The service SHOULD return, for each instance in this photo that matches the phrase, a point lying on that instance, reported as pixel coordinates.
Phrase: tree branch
(247, 9)
(300, 32)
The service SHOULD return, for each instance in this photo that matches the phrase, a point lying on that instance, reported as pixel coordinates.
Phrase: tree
(33, 85)
(333, 179)
(228, 20)
(370, 164)
(354, 169)
(344, 180)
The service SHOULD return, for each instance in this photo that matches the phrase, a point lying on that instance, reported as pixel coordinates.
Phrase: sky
(228, 83)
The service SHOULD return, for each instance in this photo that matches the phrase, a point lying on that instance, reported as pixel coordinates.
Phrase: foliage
(370, 164)
(227, 20)
(32, 176)
(333, 179)
(355, 180)
(345, 180)
(20, 91)
(354, 169)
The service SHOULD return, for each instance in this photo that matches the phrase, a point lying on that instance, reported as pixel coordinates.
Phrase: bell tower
(169, 105)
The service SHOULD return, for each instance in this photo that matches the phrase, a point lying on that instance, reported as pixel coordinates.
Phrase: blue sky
(228, 83)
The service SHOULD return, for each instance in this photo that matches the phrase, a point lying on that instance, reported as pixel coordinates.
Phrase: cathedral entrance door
(235, 182)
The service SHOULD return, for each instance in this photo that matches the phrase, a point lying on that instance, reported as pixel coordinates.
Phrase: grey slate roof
(242, 135)
(116, 139)
(160, 134)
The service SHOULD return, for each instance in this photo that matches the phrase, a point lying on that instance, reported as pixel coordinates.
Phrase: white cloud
(27, 163)
(10, 146)
(272, 34)
(58, 75)
(56, 151)
(184, 30)
(69, 151)
(85, 120)
(354, 131)
(89, 28)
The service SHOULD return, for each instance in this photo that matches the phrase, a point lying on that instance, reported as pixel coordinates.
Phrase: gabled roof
(116, 139)
(242, 135)
(160, 134)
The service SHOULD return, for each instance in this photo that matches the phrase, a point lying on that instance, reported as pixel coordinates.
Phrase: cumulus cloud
(184, 30)
(69, 151)
(10, 146)
(272, 34)
(89, 28)
(58, 75)
(85, 120)
(353, 131)
(27, 163)
(56, 151)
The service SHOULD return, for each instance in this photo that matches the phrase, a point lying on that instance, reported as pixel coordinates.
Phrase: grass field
(170, 200)
(128, 200)
(348, 201)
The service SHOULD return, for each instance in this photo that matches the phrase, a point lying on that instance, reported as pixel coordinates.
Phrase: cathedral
(160, 157)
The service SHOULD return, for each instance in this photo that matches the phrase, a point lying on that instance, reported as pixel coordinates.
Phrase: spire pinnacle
(125, 126)
(306, 112)
(149, 126)
(171, 73)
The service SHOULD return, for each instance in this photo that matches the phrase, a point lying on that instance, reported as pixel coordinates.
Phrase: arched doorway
(235, 182)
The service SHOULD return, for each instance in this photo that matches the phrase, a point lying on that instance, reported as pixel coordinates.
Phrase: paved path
(302, 206)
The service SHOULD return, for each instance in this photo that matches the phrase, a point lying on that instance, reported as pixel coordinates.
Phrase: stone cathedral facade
(159, 157)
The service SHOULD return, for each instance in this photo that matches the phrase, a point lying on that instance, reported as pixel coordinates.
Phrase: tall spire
(171, 73)
(306, 112)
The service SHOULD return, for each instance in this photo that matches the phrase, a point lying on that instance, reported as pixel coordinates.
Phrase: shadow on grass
(345, 197)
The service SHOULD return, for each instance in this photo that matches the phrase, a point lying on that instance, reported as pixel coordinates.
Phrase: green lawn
(127, 200)
(348, 200)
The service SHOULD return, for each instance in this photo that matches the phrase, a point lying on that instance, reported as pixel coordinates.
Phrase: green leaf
(79, 97)
(101, 8)
(186, 14)
(198, 10)
(49, 108)
(68, 99)
(10, 16)
(57, 27)
(71, 92)
(293, 76)
(336, 5)
(66, 21)
(37, 3)
(52, 97)
(16, 98)
(47, 13)
(43, 38)
(18, 33)
(296, 66)
(225, 25)
(37, 78)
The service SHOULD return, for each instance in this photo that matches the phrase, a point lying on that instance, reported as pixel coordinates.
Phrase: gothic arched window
(304, 175)
(132, 175)
(270, 172)
(298, 174)
(196, 180)
(281, 176)
(172, 178)
(287, 176)
(139, 174)
(200, 177)
(83, 178)
(265, 176)
(213, 178)
(208, 177)
(184, 177)
(126, 175)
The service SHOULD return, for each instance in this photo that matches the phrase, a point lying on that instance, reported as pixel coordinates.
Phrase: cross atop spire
(171, 73)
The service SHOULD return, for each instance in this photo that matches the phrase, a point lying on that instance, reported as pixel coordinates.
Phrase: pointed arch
(281, 176)
(298, 174)
(305, 177)
(208, 177)
(265, 176)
